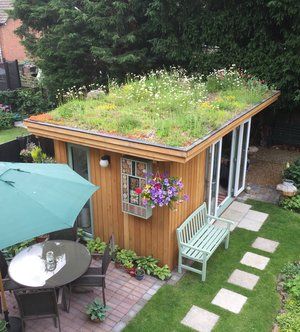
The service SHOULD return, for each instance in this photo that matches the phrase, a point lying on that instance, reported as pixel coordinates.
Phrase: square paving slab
(265, 244)
(200, 320)
(241, 207)
(243, 279)
(254, 260)
(250, 224)
(229, 300)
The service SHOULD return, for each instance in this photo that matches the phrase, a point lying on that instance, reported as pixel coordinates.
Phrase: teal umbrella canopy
(37, 199)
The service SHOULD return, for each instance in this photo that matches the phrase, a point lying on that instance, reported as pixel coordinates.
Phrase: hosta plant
(96, 310)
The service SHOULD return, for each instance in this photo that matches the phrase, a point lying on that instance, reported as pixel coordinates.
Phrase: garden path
(202, 320)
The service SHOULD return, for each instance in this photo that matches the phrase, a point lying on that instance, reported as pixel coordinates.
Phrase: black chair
(37, 304)
(8, 284)
(65, 234)
(95, 276)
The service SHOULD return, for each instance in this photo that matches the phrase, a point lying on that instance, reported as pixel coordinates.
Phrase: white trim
(218, 174)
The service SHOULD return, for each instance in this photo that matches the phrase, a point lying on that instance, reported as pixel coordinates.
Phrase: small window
(134, 175)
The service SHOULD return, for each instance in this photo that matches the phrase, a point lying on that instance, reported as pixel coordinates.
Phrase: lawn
(171, 303)
(7, 135)
(163, 107)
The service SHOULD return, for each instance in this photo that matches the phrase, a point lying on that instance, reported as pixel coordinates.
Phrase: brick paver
(124, 297)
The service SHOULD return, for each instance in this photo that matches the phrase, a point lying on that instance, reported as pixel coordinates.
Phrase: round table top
(30, 268)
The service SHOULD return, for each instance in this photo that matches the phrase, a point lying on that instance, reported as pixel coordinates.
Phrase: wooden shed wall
(155, 236)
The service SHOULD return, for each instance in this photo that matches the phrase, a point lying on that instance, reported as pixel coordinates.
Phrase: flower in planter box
(162, 190)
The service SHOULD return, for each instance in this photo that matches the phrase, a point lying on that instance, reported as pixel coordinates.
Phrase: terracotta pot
(97, 256)
(131, 271)
(118, 265)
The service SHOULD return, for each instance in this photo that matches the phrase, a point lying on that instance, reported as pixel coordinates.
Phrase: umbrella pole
(4, 303)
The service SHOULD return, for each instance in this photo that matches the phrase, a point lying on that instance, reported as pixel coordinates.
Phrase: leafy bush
(95, 246)
(35, 154)
(26, 101)
(293, 172)
(293, 287)
(96, 310)
(162, 272)
(291, 203)
(289, 321)
(291, 270)
(124, 256)
(148, 264)
(6, 120)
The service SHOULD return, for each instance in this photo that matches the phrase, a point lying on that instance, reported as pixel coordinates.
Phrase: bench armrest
(226, 221)
(194, 248)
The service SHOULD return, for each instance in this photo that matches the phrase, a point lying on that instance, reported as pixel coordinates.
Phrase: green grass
(7, 135)
(163, 107)
(171, 303)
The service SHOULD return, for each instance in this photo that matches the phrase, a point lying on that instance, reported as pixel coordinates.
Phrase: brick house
(10, 46)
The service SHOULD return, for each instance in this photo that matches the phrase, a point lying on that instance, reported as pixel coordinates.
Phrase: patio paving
(253, 220)
(125, 296)
(200, 320)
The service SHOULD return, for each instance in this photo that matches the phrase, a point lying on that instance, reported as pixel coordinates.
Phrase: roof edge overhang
(141, 148)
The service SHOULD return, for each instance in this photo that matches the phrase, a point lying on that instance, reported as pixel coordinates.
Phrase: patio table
(50, 264)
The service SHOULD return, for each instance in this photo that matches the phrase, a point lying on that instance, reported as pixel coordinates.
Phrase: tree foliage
(74, 40)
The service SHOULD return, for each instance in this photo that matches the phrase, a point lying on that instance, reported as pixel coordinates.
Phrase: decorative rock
(243, 279)
(254, 260)
(200, 320)
(252, 149)
(229, 300)
(265, 244)
(95, 94)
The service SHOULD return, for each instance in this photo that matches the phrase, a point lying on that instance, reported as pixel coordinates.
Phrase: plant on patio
(162, 273)
(162, 190)
(289, 286)
(96, 247)
(125, 256)
(96, 311)
(148, 264)
(3, 327)
(139, 273)
(6, 120)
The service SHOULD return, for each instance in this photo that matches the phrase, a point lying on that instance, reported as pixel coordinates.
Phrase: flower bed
(170, 108)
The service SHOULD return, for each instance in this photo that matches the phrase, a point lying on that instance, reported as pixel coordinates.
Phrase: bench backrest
(192, 224)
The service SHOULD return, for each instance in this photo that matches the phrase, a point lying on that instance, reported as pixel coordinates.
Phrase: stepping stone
(229, 300)
(233, 215)
(200, 320)
(254, 260)
(265, 244)
(243, 279)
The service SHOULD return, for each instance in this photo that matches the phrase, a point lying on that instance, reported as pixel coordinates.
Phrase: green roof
(169, 108)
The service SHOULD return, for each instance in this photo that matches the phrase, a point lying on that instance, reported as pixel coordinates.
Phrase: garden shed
(212, 168)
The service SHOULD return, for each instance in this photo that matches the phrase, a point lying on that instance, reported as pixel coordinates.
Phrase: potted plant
(129, 267)
(96, 311)
(96, 247)
(147, 263)
(139, 273)
(125, 255)
(162, 273)
(3, 327)
(162, 190)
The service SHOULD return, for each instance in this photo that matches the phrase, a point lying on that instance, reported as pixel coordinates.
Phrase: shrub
(291, 203)
(293, 287)
(26, 101)
(293, 172)
(124, 256)
(35, 154)
(289, 321)
(6, 120)
(162, 272)
(96, 246)
(148, 264)
(291, 270)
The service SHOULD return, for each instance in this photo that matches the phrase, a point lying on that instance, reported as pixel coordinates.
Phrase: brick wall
(10, 43)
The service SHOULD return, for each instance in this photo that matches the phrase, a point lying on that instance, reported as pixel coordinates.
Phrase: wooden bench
(198, 238)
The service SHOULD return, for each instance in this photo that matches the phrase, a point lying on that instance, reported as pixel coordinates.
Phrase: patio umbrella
(37, 199)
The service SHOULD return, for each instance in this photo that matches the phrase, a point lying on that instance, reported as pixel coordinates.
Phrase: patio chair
(8, 284)
(95, 276)
(37, 304)
(65, 234)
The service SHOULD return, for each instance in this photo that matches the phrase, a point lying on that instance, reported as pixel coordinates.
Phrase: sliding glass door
(242, 145)
(78, 159)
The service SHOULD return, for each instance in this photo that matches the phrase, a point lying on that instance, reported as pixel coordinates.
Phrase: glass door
(78, 159)
(241, 152)
(214, 176)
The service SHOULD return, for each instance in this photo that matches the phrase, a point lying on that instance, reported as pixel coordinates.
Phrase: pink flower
(138, 191)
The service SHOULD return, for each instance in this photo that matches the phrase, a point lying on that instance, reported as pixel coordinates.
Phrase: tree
(77, 42)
